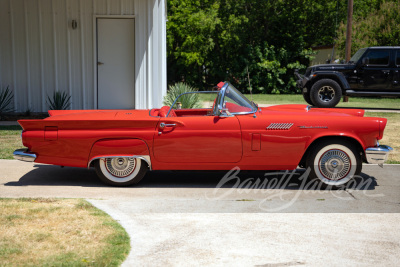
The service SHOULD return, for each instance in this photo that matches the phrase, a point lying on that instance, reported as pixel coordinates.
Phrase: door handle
(163, 125)
(100, 63)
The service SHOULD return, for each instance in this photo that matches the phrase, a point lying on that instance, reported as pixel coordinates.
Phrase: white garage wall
(40, 52)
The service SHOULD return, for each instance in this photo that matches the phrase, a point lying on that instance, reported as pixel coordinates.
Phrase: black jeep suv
(372, 71)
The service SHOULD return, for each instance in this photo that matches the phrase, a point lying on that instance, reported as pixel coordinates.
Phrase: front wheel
(325, 93)
(120, 171)
(307, 98)
(334, 163)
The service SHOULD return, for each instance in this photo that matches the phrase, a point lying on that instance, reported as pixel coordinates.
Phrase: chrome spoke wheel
(120, 171)
(120, 167)
(334, 164)
(326, 93)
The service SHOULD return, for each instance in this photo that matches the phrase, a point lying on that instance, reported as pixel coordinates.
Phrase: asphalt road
(236, 219)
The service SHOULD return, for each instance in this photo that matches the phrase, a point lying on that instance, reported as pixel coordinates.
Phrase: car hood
(314, 111)
(333, 67)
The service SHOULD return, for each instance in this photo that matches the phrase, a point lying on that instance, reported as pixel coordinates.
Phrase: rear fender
(117, 148)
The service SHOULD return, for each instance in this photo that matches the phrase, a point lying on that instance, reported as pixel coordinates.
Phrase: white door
(115, 63)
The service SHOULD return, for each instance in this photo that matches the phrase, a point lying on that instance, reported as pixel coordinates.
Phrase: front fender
(135, 148)
(337, 76)
(333, 135)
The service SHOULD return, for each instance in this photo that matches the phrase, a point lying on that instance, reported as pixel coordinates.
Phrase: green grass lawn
(10, 139)
(59, 232)
(357, 102)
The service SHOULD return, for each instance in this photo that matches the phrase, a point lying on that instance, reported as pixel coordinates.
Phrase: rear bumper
(24, 155)
(377, 155)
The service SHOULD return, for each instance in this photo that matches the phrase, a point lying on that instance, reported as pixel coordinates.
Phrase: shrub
(6, 97)
(60, 101)
(187, 101)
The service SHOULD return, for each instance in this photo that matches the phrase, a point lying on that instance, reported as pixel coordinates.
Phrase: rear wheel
(121, 171)
(334, 163)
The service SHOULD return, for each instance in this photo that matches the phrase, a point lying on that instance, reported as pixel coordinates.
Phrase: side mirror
(224, 113)
(365, 61)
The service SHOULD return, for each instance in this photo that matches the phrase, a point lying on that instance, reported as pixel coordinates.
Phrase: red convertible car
(230, 131)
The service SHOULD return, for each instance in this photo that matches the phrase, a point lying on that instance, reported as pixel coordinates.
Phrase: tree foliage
(379, 27)
(187, 100)
(230, 40)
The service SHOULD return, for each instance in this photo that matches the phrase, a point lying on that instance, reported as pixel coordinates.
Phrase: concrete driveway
(236, 218)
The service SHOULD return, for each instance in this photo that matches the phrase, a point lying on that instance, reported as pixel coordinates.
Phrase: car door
(375, 72)
(396, 72)
(198, 139)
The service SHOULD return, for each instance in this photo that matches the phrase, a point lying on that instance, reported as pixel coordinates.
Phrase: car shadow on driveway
(56, 176)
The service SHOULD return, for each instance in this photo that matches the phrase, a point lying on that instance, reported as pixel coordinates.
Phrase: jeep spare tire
(325, 93)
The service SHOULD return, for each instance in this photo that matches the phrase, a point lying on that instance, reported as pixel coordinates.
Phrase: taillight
(382, 125)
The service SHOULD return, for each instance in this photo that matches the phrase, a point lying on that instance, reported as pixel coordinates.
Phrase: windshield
(357, 55)
(235, 102)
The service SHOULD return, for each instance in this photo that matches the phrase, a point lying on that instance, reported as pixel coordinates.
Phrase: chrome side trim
(143, 157)
(377, 155)
(23, 155)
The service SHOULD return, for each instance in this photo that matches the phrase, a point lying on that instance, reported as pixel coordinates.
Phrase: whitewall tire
(334, 163)
(120, 171)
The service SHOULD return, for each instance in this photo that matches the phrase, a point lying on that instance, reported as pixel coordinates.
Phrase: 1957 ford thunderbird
(229, 131)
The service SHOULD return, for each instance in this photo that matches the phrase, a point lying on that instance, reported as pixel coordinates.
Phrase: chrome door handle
(163, 125)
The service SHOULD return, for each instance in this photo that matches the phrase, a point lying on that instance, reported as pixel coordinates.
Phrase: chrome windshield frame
(221, 102)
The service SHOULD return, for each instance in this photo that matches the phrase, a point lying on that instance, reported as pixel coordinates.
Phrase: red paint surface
(197, 141)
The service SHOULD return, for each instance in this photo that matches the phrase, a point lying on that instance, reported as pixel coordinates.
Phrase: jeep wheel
(307, 98)
(325, 93)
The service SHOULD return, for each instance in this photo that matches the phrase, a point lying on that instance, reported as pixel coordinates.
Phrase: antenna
(248, 78)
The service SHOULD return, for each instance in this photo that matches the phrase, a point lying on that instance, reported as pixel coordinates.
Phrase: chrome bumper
(377, 155)
(24, 155)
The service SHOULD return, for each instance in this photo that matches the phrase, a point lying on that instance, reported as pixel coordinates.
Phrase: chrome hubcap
(120, 167)
(326, 93)
(334, 164)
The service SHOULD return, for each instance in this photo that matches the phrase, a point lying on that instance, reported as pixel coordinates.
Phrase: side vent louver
(280, 126)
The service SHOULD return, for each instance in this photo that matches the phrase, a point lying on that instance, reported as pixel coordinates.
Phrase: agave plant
(6, 97)
(187, 101)
(60, 101)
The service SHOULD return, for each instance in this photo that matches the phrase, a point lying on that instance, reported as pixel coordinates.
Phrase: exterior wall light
(74, 24)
